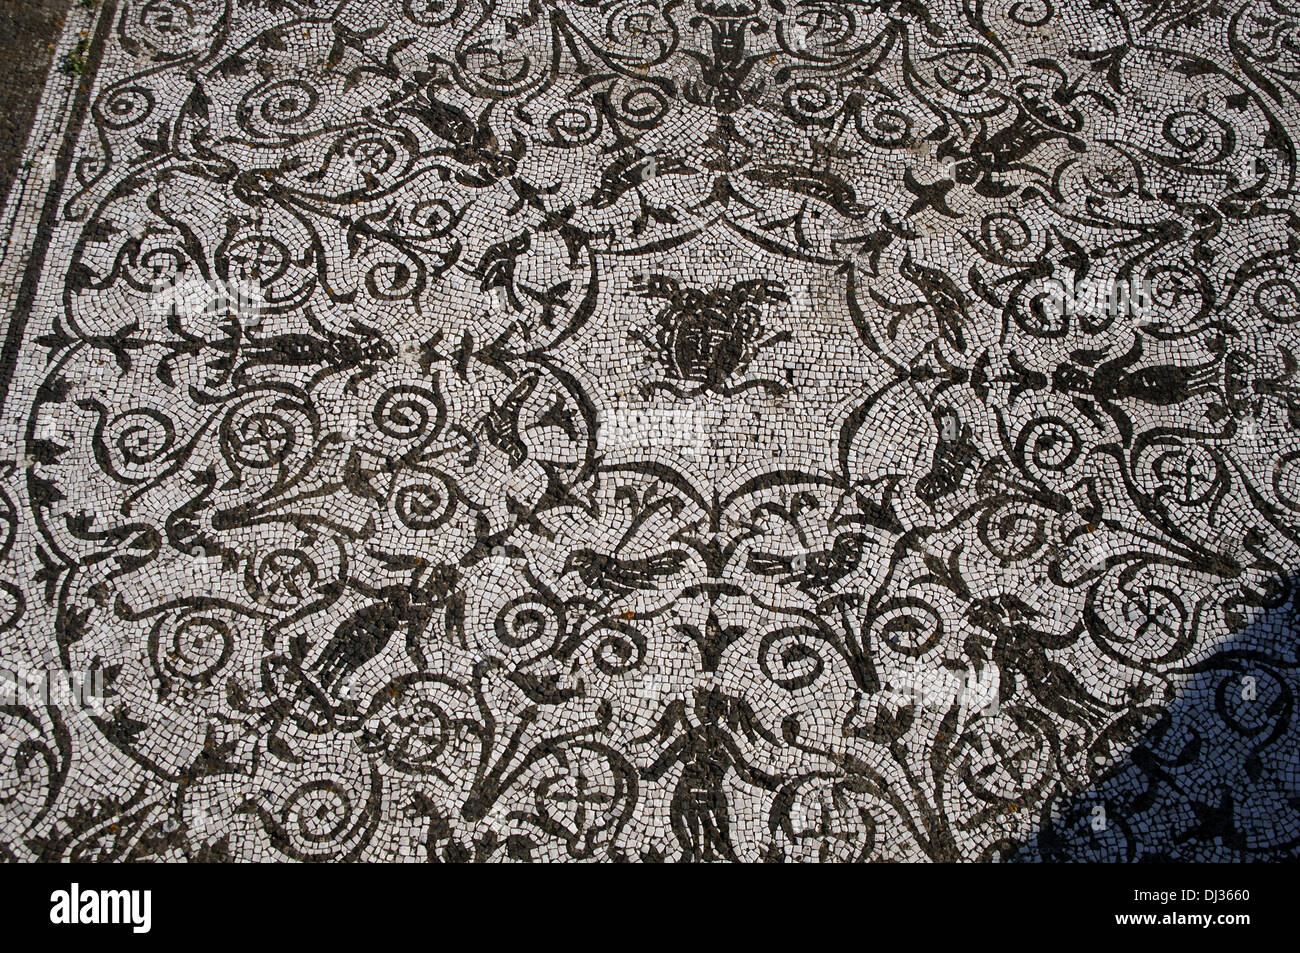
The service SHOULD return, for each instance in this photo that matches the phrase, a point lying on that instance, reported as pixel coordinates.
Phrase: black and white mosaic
(740, 430)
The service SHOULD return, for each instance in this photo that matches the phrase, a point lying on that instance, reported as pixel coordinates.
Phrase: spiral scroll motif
(811, 430)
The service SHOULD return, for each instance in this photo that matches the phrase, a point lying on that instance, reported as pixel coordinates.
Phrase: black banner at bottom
(937, 904)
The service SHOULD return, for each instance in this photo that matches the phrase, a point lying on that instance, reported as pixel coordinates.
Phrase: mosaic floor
(692, 430)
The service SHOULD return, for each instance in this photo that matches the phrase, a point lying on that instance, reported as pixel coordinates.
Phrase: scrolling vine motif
(471, 429)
